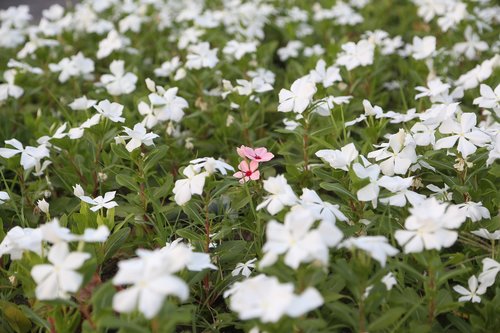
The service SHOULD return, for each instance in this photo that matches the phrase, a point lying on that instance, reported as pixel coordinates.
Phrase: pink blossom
(258, 154)
(248, 171)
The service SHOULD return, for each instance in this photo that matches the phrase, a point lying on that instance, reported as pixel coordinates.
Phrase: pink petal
(254, 165)
(255, 175)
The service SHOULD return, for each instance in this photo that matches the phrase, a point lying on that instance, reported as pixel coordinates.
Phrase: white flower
(244, 269)
(494, 153)
(168, 67)
(238, 49)
(53, 232)
(78, 191)
(423, 47)
(400, 186)
(402, 156)
(472, 44)
(320, 209)
(9, 88)
(376, 247)
(356, 54)
(280, 195)
(369, 192)
(113, 41)
(19, 240)
(489, 99)
(434, 88)
(193, 184)
(465, 131)
(101, 202)
(112, 111)
(75, 66)
(57, 280)
(43, 206)
(30, 156)
(323, 75)
(119, 82)
(82, 103)
(389, 280)
(297, 241)
(211, 165)
(491, 268)
(4, 196)
(164, 105)
(137, 137)
(201, 56)
(440, 193)
(484, 233)
(430, 226)
(474, 210)
(266, 299)
(298, 98)
(473, 293)
(339, 159)
(151, 277)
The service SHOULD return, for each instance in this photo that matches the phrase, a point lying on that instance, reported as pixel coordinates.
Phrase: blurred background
(36, 6)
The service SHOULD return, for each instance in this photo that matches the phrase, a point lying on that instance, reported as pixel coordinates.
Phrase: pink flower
(258, 154)
(247, 171)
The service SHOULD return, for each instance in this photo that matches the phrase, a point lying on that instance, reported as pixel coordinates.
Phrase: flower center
(248, 173)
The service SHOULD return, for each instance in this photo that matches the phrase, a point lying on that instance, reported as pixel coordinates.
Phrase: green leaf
(386, 319)
(338, 189)
(15, 317)
(128, 182)
(190, 235)
(114, 242)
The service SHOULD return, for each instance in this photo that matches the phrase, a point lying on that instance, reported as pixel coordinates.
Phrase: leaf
(128, 182)
(120, 151)
(385, 320)
(338, 189)
(114, 242)
(110, 321)
(190, 235)
(15, 317)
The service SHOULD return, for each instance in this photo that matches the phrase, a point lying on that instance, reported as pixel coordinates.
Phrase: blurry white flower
(280, 195)
(59, 278)
(78, 190)
(9, 88)
(211, 165)
(4, 196)
(76, 66)
(484, 233)
(82, 103)
(430, 226)
(201, 56)
(339, 159)
(320, 209)
(471, 46)
(491, 268)
(376, 247)
(193, 184)
(423, 47)
(323, 75)
(119, 82)
(266, 299)
(389, 280)
(474, 210)
(17, 240)
(299, 96)
(400, 186)
(356, 54)
(43, 206)
(489, 99)
(112, 111)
